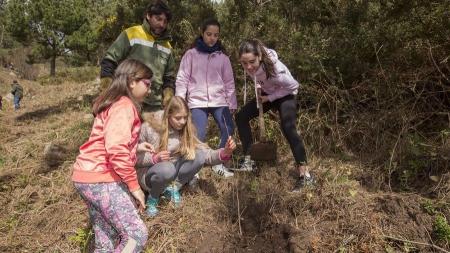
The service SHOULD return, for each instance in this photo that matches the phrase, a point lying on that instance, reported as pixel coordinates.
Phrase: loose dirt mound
(252, 212)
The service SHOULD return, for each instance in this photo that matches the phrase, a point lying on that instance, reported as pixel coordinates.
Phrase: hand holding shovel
(264, 149)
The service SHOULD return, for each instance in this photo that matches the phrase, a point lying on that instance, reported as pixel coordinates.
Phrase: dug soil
(351, 208)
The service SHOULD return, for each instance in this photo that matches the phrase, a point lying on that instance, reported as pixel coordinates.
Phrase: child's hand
(163, 156)
(264, 99)
(229, 146)
(140, 199)
(145, 147)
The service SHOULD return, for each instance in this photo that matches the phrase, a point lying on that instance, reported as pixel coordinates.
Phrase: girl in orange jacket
(104, 173)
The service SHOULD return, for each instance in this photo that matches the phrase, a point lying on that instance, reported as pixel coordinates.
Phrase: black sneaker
(302, 182)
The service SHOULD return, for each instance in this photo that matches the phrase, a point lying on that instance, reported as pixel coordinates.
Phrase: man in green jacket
(17, 91)
(150, 44)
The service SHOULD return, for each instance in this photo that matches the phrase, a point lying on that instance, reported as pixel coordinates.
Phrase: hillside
(252, 212)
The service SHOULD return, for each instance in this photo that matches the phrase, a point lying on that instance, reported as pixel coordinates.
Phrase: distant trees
(49, 23)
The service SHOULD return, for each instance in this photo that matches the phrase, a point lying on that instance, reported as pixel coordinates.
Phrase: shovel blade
(263, 151)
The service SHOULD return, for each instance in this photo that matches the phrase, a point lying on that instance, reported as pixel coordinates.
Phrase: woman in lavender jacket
(205, 80)
(279, 90)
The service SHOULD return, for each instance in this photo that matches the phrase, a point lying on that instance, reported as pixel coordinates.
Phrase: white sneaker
(222, 170)
(193, 183)
(246, 165)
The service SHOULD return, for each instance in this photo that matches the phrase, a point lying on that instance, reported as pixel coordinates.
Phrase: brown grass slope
(252, 212)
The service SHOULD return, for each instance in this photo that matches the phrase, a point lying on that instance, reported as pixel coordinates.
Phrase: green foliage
(82, 237)
(254, 186)
(49, 22)
(428, 206)
(442, 229)
(214, 142)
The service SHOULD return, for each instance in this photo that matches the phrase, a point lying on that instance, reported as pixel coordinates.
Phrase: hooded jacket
(110, 153)
(206, 80)
(17, 90)
(137, 43)
(150, 135)
(281, 85)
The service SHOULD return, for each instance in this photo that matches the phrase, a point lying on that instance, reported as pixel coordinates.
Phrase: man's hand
(104, 83)
(167, 94)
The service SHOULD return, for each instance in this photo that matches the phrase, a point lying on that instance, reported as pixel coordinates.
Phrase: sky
(217, 1)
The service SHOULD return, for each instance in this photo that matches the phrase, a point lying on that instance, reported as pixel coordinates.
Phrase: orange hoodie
(110, 153)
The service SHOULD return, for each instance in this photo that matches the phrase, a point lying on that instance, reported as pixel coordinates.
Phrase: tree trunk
(52, 65)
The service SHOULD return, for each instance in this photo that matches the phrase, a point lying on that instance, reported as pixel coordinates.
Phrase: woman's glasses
(147, 82)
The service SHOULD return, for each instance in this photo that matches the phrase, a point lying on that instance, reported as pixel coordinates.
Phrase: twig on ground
(345, 242)
(414, 242)
(239, 212)
(166, 240)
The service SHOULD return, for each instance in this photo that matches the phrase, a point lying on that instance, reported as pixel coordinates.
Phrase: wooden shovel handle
(262, 127)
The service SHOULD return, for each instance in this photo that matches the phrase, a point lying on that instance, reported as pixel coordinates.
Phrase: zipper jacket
(110, 153)
(137, 43)
(206, 80)
(150, 135)
(281, 85)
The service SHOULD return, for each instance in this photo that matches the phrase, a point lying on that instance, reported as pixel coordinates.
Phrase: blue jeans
(16, 102)
(200, 118)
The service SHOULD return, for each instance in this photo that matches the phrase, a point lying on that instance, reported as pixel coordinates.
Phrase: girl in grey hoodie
(178, 155)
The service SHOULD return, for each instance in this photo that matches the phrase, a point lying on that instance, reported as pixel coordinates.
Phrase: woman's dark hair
(159, 7)
(206, 23)
(126, 71)
(258, 49)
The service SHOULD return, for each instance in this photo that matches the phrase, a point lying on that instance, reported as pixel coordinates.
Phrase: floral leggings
(114, 217)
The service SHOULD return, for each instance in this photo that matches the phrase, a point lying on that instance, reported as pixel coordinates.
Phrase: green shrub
(442, 229)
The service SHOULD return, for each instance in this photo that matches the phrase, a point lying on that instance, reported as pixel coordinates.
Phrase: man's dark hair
(159, 7)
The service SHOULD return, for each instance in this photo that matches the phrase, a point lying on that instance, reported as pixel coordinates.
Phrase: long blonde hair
(188, 138)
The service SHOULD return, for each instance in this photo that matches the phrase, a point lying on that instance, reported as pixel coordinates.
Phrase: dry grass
(350, 209)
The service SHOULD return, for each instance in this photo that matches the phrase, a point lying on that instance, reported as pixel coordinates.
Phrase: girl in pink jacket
(205, 80)
(279, 90)
(104, 173)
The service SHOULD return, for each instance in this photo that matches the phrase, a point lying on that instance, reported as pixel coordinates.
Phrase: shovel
(263, 150)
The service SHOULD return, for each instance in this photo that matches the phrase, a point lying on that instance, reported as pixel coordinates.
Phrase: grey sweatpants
(161, 174)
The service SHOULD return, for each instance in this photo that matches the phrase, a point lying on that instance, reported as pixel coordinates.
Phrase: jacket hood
(273, 56)
(164, 37)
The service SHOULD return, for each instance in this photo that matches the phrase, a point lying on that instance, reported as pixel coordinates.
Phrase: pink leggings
(114, 217)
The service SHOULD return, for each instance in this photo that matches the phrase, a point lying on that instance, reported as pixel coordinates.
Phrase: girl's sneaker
(172, 194)
(302, 182)
(246, 165)
(152, 207)
(222, 170)
(193, 183)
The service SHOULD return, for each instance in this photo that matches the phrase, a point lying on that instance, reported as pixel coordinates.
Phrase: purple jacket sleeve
(289, 84)
(184, 73)
(228, 79)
